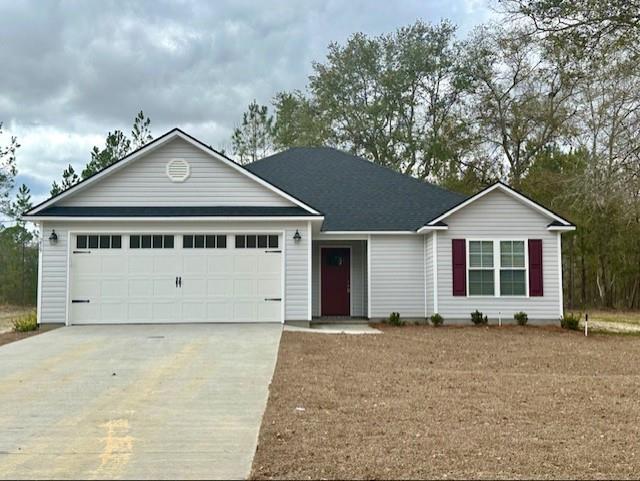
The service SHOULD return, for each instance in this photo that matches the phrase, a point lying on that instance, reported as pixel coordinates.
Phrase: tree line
(547, 99)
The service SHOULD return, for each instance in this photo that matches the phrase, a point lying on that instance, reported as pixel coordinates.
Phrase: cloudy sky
(70, 71)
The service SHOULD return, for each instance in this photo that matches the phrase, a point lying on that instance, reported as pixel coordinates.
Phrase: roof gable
(140, 179)
(353, 193)
(558, 223)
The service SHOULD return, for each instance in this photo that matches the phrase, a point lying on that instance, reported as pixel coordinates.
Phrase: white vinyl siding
(397, 276)
(54, 258)
(358, 275)
(145, 183)
(428, 270)
(493, 217)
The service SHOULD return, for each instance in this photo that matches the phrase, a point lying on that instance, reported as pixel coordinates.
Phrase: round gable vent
(178, 170)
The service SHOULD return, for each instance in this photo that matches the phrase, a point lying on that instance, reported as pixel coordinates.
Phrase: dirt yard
(453, 402)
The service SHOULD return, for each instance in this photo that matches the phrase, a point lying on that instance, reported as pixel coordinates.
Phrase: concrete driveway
(143, 402)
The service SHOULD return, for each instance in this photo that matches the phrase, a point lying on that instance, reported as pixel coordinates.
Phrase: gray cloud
(71, 71)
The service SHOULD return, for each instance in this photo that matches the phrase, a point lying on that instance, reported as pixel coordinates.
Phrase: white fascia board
(431, 228)
(508, 190)
(175, 218)
(368, 232)
(176, 133)
(562, 228)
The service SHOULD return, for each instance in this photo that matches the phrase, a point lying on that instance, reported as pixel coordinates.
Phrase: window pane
(199, 241)
(157, 242)
(221, 241)
(273, 241)
(512, 283)
(487, 254)
(81, 242)
(475, 260)
(240, 242)
(262, 241)
(187, 241)
(93, 242)
(518, 260)
(481, 283)
(105, 241)
(168, 242)
(134, 241)
(210, 241)
(474, 247)
(146, 242)
(251, 241)
(116, 242)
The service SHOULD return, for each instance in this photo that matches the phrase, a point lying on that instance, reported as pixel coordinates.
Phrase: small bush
(570, 321)
(521, 318)
(394, 319)
(479, 319)
(26, 322)
(437, 320)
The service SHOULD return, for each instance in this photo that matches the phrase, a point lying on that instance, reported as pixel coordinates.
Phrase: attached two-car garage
(143, 277)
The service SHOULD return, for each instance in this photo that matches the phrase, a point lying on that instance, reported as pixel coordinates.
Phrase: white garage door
(166, 278)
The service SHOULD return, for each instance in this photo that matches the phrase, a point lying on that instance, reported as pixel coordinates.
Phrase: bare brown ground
(420, 402)
(7, 337)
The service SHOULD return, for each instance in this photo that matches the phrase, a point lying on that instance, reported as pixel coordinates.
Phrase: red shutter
(535, 268)
(459, 261)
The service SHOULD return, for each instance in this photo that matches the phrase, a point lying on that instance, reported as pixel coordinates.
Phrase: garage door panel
(268, 311)
(245, 264)
(220, 264)
(113, 288)
(140, 264)
(164, 287)
(113, 265)
(139, 311)
(112, 311)
(140, 288)
(194, 264)
(165, 312)
(166, 263)
(269, 263)
(138, 285)
(219, 287)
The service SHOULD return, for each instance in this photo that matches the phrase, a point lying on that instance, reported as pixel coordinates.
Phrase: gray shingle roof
(353, 193)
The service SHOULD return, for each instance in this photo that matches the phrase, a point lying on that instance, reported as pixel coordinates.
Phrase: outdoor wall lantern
(297, 236)
(53, 238)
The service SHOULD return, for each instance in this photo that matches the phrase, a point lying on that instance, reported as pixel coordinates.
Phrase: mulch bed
(7, 337)
(451, 402)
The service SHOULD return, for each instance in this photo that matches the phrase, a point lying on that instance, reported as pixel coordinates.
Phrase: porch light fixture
(297, 236)
(53, 238)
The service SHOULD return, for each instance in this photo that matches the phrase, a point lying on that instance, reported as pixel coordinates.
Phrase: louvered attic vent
(178, 170)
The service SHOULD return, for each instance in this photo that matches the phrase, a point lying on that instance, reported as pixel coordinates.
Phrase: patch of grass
(625, 317)
(26, 322)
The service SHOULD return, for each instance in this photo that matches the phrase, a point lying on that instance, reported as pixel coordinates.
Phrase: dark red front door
(336, 281)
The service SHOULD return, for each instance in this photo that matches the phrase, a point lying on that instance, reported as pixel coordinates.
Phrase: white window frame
(497, 265)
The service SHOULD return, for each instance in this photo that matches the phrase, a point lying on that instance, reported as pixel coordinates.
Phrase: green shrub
(26, 322)
(478, 318)
(521, 318)
(394, 319)
(570, 321)
(437, 320)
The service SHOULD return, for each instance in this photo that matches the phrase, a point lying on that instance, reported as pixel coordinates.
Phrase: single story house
(177, 232)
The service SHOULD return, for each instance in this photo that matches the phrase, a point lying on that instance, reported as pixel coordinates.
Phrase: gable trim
(507, 190)
(155, 144)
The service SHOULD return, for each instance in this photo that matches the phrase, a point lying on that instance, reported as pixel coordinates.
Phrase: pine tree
(254, 138)
(141, 132)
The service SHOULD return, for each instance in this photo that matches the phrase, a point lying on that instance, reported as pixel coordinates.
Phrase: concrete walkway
(142, 402)
(335, 328)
